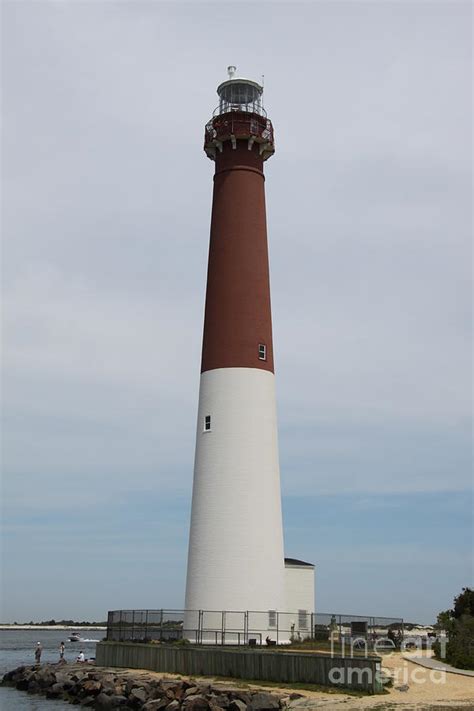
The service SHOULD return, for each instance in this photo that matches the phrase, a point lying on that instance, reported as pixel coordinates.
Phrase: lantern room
(239, 116)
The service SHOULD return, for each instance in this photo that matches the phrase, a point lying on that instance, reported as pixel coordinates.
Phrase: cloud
(107, 204)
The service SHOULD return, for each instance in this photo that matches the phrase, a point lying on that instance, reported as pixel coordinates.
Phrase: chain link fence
(248, 627)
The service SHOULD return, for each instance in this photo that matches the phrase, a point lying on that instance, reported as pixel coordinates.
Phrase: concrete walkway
(431, 663)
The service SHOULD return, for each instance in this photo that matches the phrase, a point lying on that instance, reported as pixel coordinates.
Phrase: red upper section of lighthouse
(237, 326)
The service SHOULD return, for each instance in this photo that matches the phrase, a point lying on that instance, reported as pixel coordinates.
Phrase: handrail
(252, 108)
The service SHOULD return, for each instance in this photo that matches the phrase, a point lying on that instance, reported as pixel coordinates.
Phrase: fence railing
(230, 627)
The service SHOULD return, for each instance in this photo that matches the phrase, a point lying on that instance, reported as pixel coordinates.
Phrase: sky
(106, 211)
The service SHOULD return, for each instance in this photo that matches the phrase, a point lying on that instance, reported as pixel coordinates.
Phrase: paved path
(431, 663)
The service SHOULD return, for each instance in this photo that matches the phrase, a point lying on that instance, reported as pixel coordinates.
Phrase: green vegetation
(458, 624)
(324, 647)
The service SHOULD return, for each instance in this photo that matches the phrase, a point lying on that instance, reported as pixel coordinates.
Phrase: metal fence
(247, 627)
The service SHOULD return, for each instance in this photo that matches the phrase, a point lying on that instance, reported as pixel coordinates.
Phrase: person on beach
(81, 657)
(38, 651)
(61, 652)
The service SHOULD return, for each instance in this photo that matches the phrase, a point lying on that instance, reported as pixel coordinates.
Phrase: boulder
(58, 688)
(22, 684)
(237, 705)
(155, 704)
(117, 701)
(221, 701)
(191, 691)
(173, 705)
(88, 701)
(45, 678)
(261, 701)
(91, 687)
(104, 701)
(33, 687)
(108, 682)
(195, 703)
(159, 699)
(50, 694)
(138, 693)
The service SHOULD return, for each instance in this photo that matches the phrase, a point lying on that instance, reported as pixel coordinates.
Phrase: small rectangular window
(207, 423)
(262, 351)
(272, 618)
(303, 619)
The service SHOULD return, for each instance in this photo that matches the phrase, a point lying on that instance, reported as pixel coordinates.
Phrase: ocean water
(17, 647)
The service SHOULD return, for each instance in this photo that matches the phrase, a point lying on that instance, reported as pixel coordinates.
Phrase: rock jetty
(98, 688)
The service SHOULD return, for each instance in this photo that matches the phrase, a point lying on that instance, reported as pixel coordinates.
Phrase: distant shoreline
(52, 627)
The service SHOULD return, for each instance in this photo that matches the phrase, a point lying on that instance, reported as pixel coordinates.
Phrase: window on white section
(303, 619)
(262, 351)
(272, 618)
(207, 423)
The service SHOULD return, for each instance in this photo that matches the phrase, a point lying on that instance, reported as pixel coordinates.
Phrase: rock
(33, 687)
(108, 682)
(241, 696)
(221, 701)
(154, 705)
(22, 685)
(50, 694)
(88, 701)
(91, 687)
(78, 676)
(191, 691)
(104, 701)
(295, 695)
(138, 694)
(45, 678)
(403, 687)
(195, 703)
(172, 705)
(58, 688)
(237, 705)
(117, 700)
(95, 676)
(262, 701)
(159, 700)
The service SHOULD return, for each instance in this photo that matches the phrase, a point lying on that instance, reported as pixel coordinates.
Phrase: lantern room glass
(240, 95)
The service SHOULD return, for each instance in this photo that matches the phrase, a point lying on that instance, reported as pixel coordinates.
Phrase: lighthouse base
(236, 559)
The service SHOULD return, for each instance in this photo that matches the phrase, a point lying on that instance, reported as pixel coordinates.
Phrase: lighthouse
(235, 557)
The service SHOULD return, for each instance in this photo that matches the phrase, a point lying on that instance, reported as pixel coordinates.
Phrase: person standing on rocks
(38, 651)
(61, 652)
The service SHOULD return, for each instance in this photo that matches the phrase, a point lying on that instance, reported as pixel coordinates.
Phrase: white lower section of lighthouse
(236, 559)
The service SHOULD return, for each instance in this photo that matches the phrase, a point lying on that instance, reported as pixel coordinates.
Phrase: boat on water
(74, 637)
